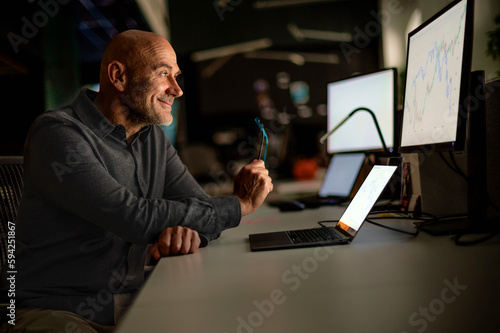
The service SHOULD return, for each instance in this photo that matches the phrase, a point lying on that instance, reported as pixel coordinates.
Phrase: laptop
(346, 228)
(337, 185)
(339, 180)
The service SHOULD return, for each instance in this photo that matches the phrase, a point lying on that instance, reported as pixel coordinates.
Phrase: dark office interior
(279, 71)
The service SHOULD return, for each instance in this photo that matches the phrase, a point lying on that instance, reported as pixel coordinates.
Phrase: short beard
(139, 114)
(143, 116)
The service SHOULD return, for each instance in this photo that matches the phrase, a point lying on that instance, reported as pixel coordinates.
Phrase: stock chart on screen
(434, 69)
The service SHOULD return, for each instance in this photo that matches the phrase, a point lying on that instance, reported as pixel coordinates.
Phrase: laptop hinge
(342, 232)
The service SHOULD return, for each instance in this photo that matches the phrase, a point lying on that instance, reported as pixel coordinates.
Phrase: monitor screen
(375, 91)
(437, 80)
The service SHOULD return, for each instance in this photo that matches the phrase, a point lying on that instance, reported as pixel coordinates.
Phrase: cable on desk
(472, 242)
(457, 238)
(394, 229)
(391, 205)
(402, 217)
(451, 216)
(321, 223)
(418, 227)
(414, 215)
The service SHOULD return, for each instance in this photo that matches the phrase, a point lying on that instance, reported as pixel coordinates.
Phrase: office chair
(11, 186)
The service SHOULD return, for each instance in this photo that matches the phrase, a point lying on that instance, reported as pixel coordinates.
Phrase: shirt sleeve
(180, 184)
(63, 169)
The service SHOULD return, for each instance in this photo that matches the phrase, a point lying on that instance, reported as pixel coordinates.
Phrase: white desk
(382, 282)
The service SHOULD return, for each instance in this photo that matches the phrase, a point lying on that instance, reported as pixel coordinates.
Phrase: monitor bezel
(460, 140)
(390, 145)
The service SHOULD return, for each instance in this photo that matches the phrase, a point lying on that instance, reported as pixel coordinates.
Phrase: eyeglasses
(264, 136)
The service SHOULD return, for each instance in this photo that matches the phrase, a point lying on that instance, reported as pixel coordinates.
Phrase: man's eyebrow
(167, 66)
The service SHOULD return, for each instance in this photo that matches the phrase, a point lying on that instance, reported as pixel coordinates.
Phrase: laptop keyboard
(311, 235)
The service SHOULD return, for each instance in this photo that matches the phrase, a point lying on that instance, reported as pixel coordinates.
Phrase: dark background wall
(50, 48)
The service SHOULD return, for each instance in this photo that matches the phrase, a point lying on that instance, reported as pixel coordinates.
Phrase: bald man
(102, 183)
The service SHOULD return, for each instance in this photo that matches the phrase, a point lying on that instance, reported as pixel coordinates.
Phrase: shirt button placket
(139, 174)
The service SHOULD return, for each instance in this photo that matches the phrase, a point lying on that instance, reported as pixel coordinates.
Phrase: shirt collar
(143, 133)
(86, 110)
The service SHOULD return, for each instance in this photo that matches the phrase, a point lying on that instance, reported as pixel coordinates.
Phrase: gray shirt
(91, 204)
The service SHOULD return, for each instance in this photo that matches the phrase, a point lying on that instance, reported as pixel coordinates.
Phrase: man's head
(138, 79)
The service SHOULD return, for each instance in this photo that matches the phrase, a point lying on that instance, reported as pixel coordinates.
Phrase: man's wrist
(245, 207)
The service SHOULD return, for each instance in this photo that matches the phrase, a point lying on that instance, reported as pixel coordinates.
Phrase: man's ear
(116, 74)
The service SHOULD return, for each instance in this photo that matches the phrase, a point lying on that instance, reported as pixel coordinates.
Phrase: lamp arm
(324, 137)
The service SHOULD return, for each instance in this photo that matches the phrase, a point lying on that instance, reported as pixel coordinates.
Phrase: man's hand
(176, 240)
(252, 185)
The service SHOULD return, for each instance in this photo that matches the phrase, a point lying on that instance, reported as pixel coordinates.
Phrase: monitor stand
(457, 226)
(476, 220)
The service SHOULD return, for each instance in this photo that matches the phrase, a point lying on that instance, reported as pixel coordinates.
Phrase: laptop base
(279, 240)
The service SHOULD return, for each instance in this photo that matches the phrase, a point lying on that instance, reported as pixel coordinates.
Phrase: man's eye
(164, 74)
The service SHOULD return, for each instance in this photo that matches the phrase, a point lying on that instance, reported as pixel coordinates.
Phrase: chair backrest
(11, 186)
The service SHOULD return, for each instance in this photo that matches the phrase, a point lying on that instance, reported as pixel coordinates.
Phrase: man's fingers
(252, 185)
(254, 176)
(258, 163)
(190, 241)
(195, 242)
(164, 243)
(155, 252)
(178, 240)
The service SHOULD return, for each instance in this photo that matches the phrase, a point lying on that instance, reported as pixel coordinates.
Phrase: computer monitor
(437, 117)
(437, 81)
(376, 91)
